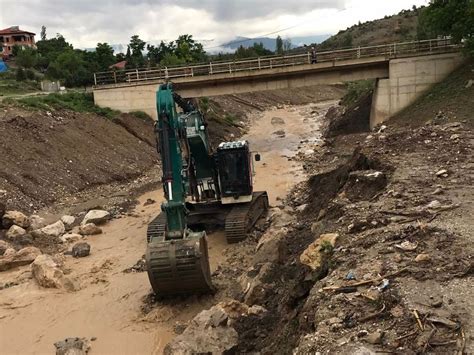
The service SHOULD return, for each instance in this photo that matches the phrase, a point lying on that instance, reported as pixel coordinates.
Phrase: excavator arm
(177, 258)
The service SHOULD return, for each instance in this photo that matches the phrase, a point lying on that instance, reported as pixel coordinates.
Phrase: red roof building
(13, 36)
(120, 65)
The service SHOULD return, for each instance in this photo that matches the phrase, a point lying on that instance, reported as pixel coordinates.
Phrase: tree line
(59, 60)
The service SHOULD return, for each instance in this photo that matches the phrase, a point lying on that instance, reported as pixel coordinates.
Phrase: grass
(9, 86)
(141, 115)
(74, 101)
(356, 90)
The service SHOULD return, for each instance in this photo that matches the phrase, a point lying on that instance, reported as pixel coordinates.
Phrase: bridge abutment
(408, 79)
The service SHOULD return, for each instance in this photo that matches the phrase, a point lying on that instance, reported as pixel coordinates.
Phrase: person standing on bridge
(314, 57)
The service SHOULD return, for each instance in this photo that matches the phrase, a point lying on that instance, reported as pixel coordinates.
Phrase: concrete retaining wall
(408, 79)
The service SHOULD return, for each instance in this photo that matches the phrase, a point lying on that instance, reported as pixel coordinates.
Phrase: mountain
(270, 43)
(390, 29)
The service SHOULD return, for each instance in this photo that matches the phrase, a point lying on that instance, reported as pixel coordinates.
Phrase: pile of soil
(398, 278)
(47, 156)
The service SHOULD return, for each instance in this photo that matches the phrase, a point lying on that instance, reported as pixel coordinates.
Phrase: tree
(187, 49)
(104, 56)
(287, 45)
(49, 50)
(279, 45)
(71, 67)
(136, 47)
(26, 57)
(43, 33)
(20, 74)
(453, 18)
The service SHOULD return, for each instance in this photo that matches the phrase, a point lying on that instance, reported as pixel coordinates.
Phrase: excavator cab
(234, 164)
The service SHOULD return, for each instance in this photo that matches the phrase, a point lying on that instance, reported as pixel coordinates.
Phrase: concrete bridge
(403, 72)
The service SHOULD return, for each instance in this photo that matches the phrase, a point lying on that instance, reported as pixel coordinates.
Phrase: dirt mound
(390, 282)
(353, 119)
(48, 155)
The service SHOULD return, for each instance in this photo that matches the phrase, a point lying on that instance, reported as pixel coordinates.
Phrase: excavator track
(243, 217)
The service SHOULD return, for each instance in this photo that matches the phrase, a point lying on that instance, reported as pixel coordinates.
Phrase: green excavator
(202, 187)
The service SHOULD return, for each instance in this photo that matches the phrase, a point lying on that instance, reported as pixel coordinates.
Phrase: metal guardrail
(394, 50)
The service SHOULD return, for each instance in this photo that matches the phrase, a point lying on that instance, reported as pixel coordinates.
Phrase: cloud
(86, 22)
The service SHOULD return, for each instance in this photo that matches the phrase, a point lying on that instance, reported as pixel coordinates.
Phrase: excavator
(202, 187)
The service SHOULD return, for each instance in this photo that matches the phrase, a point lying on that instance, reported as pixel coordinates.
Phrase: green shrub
(20, 74)
(30, 74)
(357, 89)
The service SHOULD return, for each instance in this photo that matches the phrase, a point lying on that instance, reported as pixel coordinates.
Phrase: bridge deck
(264, 65)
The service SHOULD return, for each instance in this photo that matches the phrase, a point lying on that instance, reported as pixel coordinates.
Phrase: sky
(84, 23)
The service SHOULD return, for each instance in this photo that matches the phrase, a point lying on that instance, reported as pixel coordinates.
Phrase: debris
(418, 320)
(15, 218)
(72, 346)
(407, 246)
(81, 250)
(149, 201)
(48, 275)
(15, 232)
(366, 282)
(442, 173)
(54, 230)
(96, 216)
(444, 321)
(37, 222)
(385, 283)
(89, 229)
(68, 222)
(421, 258)
(24, 256)
(350, 276)
(375, 337)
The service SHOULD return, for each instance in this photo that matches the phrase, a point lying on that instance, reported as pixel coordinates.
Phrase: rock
(36, 222)
(9, 252)
(375, 337)
(434, 205)
(364, 184)
(209, 333)
(89, 229)
(149, 201)
(469, 83)
(47, 273)
(421, 258)
(277, 121)
(317, 253)
(68, 222)
(2, 211)
(280, 133)
(442, 173)
(72, 346)
(96, 216)
(81, 250)
(407, 246)
(272, 247)
(4, 246)
(281, 218)
(454, 137)
(70, 237)
(54, 230)
(258, 289)
(13, 259)
(15, 232)
(15, 217)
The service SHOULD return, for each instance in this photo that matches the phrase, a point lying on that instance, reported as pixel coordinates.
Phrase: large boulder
(37, 222)
(272, 246)
(15, 218)
(317, 254)
(69, 222)
(24, 256)
(96, 216)
(15, 232)
(4, 246)
(81, 250)
(89, 229)
(47, 273)
(209, 333)
(56, 229)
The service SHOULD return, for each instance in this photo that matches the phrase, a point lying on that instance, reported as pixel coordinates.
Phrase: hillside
(397, 28)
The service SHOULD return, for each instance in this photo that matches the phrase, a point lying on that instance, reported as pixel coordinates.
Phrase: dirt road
(109, 304)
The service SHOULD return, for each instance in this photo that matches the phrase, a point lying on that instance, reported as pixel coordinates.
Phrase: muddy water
(108, 305)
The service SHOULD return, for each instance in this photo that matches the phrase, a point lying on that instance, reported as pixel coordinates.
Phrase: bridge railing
(394, 50)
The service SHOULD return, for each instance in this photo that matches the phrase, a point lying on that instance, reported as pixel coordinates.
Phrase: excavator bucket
(179, 266)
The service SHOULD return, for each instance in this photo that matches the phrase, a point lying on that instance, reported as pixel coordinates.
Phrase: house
(118, 66)
(13, 36)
